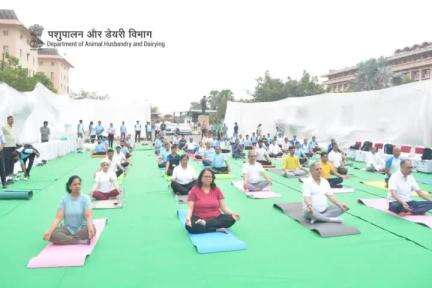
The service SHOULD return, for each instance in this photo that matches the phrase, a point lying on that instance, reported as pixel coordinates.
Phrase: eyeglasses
(207, 176)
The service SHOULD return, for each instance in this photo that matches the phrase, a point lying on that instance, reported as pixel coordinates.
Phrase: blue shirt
(247, 143)
(122, 129)
(254, 139)
(218, 160)
(393, 164)
(99, 129)
(158, 143)
(164, 154)
(74, 209)
(209, 153)
(100, 148)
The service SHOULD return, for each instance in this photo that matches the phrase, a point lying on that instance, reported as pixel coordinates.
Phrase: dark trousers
(206, 163)
(92, 138)
(149, 136)
(220, 170)
(8, 156)
(137, 136)
(30, 164)
(276, 155)
(182, 189)
(222, 221)
(2, 169)
(44, 140)
(122, 136)
(335, 182)
(110, 140)
(417, 207)
(119, 172)
(264, 162)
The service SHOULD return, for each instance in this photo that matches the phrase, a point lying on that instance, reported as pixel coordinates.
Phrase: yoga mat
(426, 181)
(324, 229)
(98, 156)
(342, 190)
(264, 194)
(224, 176)
(268, 166)
(277, 171)
(214, 241)
(16, 194)
(376, 184)
(67, 255)
(107, 204)
(383, 204)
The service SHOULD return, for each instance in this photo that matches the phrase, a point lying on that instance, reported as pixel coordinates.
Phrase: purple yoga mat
(67, 255)
(383, 204)
(264, 194)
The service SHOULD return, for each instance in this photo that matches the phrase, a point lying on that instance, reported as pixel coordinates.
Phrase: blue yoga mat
(427, 181)
(214, 241)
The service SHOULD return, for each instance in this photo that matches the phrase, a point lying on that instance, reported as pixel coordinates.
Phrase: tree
(154, 109)
(216, 100)
(17, 77)
(273, 89)
(372, 74)
(82, 94)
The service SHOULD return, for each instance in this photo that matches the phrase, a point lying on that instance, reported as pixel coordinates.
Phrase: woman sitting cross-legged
(105, 186)
(76, 216)
(207, 209)
(183, 177)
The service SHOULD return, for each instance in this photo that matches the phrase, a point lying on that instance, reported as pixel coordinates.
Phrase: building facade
(415, 63)
(18, 41)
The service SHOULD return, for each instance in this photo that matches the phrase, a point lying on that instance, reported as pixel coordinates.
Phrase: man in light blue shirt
(208, 155)
(158, 145)
(219, 162)
(123, 131)
(99, 130)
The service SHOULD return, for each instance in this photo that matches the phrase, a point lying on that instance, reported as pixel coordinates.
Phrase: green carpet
(144, 244)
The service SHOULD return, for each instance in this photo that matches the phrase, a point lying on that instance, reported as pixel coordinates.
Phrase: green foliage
(17, 77)
(372, 74)
(83, 94)
(216, 100)
(273, 89)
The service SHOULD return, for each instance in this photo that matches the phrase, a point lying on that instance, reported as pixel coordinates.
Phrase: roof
(8, 14)
(52, 53)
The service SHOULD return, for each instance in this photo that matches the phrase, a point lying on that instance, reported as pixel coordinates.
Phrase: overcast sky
(224, 44)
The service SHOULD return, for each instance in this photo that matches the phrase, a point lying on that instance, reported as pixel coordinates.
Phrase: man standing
(235, 130)
(148, 131)
(123, 131)
(137, 132)
(45, 132)
(9, 150)
(99, 130)
(2, 164)
(80, 135)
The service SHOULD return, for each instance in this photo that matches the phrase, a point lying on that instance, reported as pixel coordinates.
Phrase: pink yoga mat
(67, 255)
(383, 204)
(264, 194)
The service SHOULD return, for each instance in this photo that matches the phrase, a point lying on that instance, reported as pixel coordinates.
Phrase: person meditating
(100, 148)
(208, 155)
(316, 191)
(105, 186)
(291, 164)
(401, 186)
(162, 158)
(254, 176)
(73, 223)
(327, 170)
(183, 177)
(262, 154)
(274, 149)
(173, 160)
(219, 163)
(199, 154)
(207, 211)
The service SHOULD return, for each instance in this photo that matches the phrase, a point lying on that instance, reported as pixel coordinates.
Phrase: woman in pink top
(206, 202)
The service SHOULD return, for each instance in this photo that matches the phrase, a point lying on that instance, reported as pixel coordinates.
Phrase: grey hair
(403, 161)
(313, 165)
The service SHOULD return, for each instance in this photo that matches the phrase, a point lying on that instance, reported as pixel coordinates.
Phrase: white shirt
(183, 176)
(286, 145)
(280, 141)
(111, 130)
(335, 158)
(2, 139)
(404, 186)
(274, 149)
(105, 181)
(253, 172)
(374, 161)
(191, 146)
(261, 154)
(137, 127)
(122, 129)
(317, 192)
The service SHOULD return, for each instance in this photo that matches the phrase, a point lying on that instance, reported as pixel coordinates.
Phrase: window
(6, 49)
(5, 32)
(426, 74)
(52, 76)
(415, 75)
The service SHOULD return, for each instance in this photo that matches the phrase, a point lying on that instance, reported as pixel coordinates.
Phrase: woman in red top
(206, 202)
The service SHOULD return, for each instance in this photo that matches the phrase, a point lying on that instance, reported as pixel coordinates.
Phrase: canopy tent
(30, 109)
(398, 115)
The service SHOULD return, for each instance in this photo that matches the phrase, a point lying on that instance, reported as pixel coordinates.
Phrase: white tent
(398, 115)
(30, 109)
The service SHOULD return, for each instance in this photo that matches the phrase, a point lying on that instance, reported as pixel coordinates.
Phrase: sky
(224, 44)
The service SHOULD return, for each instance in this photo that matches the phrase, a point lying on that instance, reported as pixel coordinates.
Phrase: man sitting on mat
(158, 144)
(374, 163)
(205, 204)
(274, 149)
(316, 191)
(401, 186)
(163, 155)
(285, 145)
(254, 176)
(262, 154)
(100, 148)
(77, 217)
(300, 154)
(183, 177)
(327, 170)
(313, 145)
(392, 165)
(121, 159)
(254, 139)
(237, 150)
(337, 159)
(291, 164)
(114, 165)
(105, 186)
(173, 160)
(199, 154)
(191, 146)
(208, 155)
(219, 163)
(182, 142)
(306, 149)
(247, 143)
